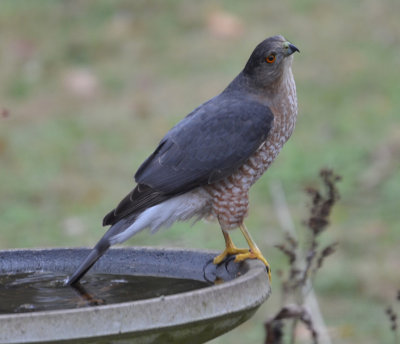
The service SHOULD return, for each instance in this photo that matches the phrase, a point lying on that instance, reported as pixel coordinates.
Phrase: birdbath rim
(221, 306)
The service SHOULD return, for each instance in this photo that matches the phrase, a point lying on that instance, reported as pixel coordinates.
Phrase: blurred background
(88, 88)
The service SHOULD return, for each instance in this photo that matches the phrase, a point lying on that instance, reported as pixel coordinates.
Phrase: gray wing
(208, 145)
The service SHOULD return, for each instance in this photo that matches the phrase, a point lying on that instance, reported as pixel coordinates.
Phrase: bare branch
(291, 311)
(303, 265)
(327, 251)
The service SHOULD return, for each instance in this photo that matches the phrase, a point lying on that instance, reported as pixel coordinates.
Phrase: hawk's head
(269, 60)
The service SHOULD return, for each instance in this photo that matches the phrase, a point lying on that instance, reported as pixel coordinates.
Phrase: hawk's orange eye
(270, 58)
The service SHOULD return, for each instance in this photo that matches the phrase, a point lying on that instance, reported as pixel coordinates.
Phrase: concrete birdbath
(131, 295)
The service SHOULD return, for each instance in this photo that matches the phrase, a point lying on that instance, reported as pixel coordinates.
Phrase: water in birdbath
(43, 291)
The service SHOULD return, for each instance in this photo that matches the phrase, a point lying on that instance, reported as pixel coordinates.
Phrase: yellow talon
(230, 249)
(254, 252)
(242, 254)
(254, 255)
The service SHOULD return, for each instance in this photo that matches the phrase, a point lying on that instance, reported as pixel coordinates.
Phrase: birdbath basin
(183, 297)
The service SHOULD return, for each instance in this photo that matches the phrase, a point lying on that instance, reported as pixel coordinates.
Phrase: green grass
(67, 157)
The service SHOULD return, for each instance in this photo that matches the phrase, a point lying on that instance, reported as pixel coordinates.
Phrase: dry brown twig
(393, 319)
(303, 266)
(291, 311)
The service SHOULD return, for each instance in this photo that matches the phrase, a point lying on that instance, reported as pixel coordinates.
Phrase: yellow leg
(254, 252)
(230, 249)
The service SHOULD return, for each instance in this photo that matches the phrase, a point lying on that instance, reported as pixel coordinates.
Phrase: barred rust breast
(230, 196)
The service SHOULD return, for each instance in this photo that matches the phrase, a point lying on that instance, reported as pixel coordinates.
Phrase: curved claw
(254, 254)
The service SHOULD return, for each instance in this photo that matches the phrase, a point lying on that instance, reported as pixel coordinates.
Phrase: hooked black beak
(292, 49)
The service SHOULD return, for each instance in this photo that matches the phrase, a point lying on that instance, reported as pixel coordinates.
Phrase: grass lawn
(88, 88)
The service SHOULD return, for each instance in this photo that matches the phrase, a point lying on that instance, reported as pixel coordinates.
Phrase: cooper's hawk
(206, 164)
